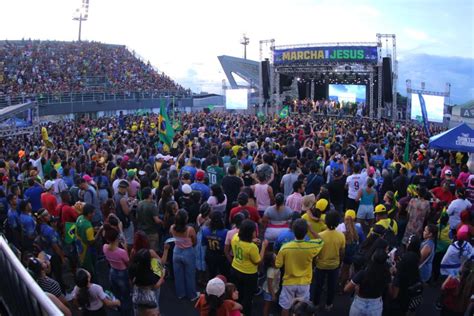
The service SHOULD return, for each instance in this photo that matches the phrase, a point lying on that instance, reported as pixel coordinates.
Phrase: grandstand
(52, 70)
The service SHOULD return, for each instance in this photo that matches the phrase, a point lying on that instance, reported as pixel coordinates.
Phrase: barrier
(19, 293)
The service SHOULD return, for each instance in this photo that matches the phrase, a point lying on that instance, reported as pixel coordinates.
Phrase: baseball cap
(322, 204)
(350, 213)
(448, 172)
(215, 287)
(123, 184)
(48, 184)
(371, 171)
(186, 189)
(87, 177)
(380, 209)
(431, 161)
(159, 156)
(200, 175)
(308, 202)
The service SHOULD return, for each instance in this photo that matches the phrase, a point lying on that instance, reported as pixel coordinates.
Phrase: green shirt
(215, 175)
(145, 212)
(84, 234)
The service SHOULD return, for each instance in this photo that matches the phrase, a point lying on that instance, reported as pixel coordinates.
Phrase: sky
(183, 37)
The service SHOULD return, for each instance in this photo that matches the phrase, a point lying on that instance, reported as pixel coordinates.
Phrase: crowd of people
(299, 210)
(35, 68)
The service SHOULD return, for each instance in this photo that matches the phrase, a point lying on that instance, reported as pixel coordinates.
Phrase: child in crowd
(271, 284)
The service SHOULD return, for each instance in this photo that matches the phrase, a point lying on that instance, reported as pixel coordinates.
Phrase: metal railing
(57, 98)
(19, 293)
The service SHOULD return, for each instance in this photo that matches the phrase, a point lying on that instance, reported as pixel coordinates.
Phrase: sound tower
(266, 79)
(387, 79)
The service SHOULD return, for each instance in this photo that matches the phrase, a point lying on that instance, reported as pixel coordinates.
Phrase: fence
(44, 99)
(19, 293)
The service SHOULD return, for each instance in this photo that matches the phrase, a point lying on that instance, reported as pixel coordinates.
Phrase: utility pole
(245, 41)
(82, 14)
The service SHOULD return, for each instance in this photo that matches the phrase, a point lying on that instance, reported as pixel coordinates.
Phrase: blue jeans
(120, 285)
(184, 266)
(320, 276)
(366, 306)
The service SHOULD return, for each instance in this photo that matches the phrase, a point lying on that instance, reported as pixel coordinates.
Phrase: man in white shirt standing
(354, 182)
(456, 207)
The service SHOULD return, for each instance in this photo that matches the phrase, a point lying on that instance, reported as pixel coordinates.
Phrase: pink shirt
(262, 196)
(295, 201)
(117, 258)
(133, 189)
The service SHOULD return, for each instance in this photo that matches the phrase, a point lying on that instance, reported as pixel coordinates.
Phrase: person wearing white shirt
(456, 207)
(353, 183)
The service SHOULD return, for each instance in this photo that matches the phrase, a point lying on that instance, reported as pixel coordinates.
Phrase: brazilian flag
(69, 232)
(177, 126)
(284, 112)
(166, 131)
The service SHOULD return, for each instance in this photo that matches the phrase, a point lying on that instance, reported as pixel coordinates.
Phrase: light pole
(82, 14)
(245, 41)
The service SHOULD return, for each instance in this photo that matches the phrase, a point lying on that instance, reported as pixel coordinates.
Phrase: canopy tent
(459, 138)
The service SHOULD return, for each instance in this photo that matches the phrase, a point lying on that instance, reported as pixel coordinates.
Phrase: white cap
(215, 287)
(186, 188)
(159, 156)
(48, 185)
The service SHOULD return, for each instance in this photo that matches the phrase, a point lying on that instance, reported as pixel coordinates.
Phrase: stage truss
(371, 70)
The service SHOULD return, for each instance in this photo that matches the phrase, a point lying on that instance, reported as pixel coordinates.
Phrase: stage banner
(317, 55)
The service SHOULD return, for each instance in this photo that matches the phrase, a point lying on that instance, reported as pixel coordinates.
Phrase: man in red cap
(200, 186)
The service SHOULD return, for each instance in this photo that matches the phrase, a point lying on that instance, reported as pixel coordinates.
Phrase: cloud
(415, 34)
(436, 71)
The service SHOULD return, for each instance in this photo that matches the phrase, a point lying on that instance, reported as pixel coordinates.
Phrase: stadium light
(81, 14)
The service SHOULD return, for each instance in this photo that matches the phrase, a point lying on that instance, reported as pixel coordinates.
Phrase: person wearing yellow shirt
(381, 218)
(245, 263)
(329, 260)
(297, 258)
(315, 216)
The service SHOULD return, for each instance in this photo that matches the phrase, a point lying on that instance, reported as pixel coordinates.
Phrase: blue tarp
(459, 138)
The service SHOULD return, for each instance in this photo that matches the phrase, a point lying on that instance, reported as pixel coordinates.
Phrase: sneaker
(198, 294)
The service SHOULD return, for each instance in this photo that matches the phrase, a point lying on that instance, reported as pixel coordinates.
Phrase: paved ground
(171, 306)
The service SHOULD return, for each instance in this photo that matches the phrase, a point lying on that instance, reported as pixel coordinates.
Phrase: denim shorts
(365, 212)
(267, 297)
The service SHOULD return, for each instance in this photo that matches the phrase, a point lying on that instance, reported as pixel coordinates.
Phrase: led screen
(434, 107)
(236, 99)
(347, 92)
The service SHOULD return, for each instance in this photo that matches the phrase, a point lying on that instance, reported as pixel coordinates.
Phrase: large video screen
(434, 107)
(236, 99)
(347, 92)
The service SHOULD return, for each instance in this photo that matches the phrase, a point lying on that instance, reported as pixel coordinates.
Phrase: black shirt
(144, 278)
(367, 287)
(337, 191)
(231, 186)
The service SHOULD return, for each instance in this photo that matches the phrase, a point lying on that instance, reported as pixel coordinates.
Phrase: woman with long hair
(146, 284)
(354, 236)
(245, 263)
(367, 198)
(276, 218)
(184, 258)
(213, 237)
(217, 200)
(457, 291)
(418, 210)
(118, 274)
(167, 195)
(90, 297)
(407, 275)
(370, 285)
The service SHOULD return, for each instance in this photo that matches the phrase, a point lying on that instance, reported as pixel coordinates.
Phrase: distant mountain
(436, 71)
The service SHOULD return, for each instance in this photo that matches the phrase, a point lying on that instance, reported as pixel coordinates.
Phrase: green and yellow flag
(284, 112)
(164, 125)
(69, 232)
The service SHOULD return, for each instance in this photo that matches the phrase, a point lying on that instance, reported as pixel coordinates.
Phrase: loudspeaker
(285, 82)
(266, 79)
(387, 79)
